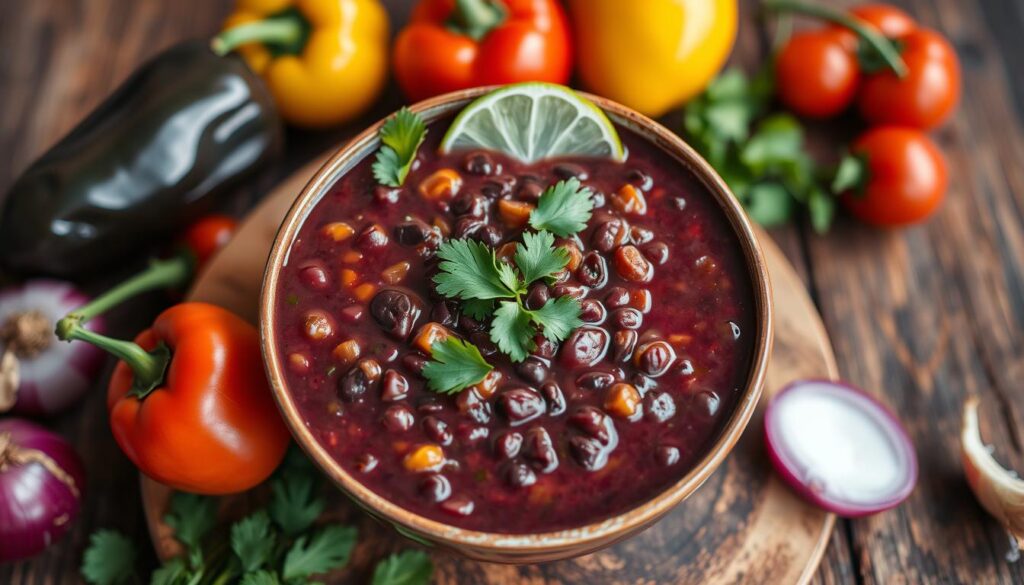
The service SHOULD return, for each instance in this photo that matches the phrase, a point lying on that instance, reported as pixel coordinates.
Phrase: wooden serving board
(742, 526)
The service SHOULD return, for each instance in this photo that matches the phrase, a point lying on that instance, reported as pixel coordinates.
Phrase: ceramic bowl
(538, 547)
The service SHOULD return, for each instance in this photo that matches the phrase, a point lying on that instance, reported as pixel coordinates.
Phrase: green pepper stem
(148, 367)
(476, 18)
(173, 272)
(287, 30)
(878, 42)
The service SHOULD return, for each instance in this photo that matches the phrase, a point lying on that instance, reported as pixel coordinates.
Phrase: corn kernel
(575, 255)
(629, 199)
(317, 326)
(364, 292)
(430, 334)
(424, 458)
(338, 231)
(443, 184)
(351, 257)
(348, 277)
(622, 400)
(347, 352)
(514, 213)
(506, 251)
(486, 387)
(395, 273)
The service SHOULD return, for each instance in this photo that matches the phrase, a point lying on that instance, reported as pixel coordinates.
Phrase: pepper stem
(148, 367)
(476, 18)
(284, 32)
(875, 40)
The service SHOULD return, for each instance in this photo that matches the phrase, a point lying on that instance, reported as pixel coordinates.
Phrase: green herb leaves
(411, 567)
(563, 208)
(512, 331)
(537, 257)
(110, 559)
(456, 365)
(400, 136)
(469, 270)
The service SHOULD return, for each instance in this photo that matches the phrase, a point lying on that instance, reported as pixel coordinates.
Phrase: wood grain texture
(920, 318)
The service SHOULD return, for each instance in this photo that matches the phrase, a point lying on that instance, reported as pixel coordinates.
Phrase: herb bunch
(277, 545)
(401, 137)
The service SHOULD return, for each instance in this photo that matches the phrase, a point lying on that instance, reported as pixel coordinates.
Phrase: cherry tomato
(906, 177)
(816, 74)
(928, 94)
(889, 20)
(209, 234)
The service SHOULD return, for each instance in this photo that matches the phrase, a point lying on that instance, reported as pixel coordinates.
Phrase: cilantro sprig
(456, 365)
(563, 209)
(400, 136)
(278, 545)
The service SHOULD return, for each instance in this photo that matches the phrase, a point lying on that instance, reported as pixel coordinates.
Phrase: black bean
(659, 406)
(617, 297)
(398, 418)
(482, 341)
(396, 312)
(315, 276)
(623, 344)
(640, 179)
(366, 463)
(394, 387)
(508, 444)
(359, 380)
(587, 452)
(445, 312)
(666, 455)
(470, 205)
(593, 270)
(429, 406)
(372, 237)
(570, 171)
(519, 474)
(639, 235)
(498, 186)
(415, 362)
(656, 252)
(574, 291)
(521, 405)
(685, 367)
(654, 358)
(490, 234)
(532, 370)
(610, 235)
(595, 380)
(585, 347)
(437, 430)
(596, 423)
(470, 433)
(469, 324)
(479, 163)
(468, 227)
(435, 487)
(592, 311)
(458, 506)
(529, 190)
(706, 403)
(539, 450)
(537, 295)
(734, 330)
(546, 348)
(552, 394)
(642, 383)
(626, 318)
(472, 405)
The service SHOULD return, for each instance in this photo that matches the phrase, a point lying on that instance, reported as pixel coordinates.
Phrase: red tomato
(816, 74)
(906, 177)
(208, 235)
(926, 96)
(889, 20)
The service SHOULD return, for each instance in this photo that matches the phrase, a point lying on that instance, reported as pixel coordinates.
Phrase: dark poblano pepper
(159, 152)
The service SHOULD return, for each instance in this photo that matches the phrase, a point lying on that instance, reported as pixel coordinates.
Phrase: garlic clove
(998, 490)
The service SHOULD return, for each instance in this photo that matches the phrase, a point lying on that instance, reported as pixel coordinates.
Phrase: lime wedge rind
(534, 121)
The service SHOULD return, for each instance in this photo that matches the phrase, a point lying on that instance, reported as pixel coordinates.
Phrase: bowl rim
(595, 533)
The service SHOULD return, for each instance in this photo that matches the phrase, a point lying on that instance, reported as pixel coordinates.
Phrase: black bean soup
(581, 430)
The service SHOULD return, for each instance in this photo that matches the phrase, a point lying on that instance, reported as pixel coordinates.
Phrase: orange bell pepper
(324, 60)
(457, 44)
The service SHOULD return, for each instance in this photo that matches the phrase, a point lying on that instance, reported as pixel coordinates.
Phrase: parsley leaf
(469, 270)
(456, 365)
(411, 567)
(563, 208)
(253, 541)
(400, 136)
(558, 317)
(326, 550)
(511, 330)
(537, 257)
(110, 559)
(294, 505)
(192, 517)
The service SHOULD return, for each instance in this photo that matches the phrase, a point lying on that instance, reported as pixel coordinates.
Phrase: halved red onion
(839, 448)
(39, 375)
(41, 483)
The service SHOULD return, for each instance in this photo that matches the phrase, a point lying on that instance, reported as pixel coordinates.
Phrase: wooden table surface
(921, 318)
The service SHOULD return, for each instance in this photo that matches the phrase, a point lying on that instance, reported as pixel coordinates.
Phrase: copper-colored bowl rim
(570, 540)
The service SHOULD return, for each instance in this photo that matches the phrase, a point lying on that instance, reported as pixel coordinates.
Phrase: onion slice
(39, 375)
(1000, 491)
(839, 448)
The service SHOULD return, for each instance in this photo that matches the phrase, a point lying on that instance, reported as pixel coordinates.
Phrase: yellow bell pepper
(325, 61)
(652, 55)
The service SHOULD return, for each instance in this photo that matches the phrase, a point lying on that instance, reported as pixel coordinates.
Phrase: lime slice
(534, 121)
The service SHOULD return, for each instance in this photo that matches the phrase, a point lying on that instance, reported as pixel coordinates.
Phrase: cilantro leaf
(558, 317)
(563, 208)
(411, 567)
(822, 208)
(253, 541)
(326, 550)
(260, 578)
(851, 174)
(294, 505)
(192, 517)
(511, 330)
(109, 560)
(400, 136)
(769, 203)
(537, 257)
(173, 572)
(478, 309)
(469, 270)
(456, 364)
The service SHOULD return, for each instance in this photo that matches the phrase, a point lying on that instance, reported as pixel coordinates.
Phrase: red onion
(41, 483)
(38, 374)
(839, 448)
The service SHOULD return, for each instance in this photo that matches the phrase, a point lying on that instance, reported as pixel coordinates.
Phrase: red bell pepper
(457, 44)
